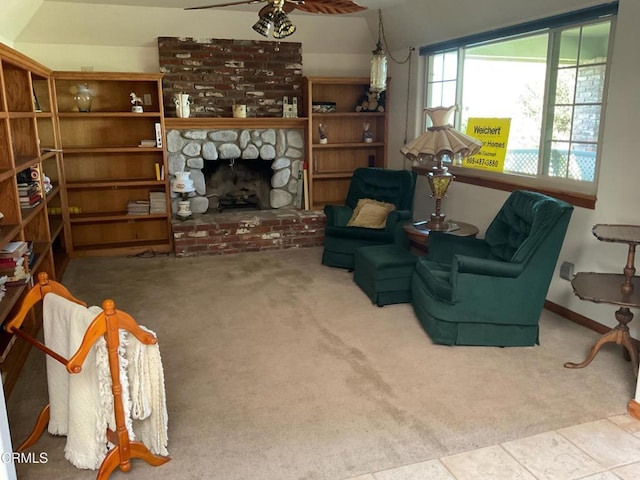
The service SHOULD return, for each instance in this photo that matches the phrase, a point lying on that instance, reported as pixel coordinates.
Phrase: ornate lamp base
(439, 181)
(184, 209)
(437, 222)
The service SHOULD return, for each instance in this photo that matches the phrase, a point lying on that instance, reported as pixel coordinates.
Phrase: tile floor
(602, 450)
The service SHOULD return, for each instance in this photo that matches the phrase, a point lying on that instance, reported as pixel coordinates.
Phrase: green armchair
(491, 291)
(385, 185)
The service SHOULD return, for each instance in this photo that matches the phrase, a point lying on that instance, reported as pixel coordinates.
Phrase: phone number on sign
(482, 162)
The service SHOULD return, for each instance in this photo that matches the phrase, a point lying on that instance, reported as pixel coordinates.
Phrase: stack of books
(138, 207)
(29, 193)
(157, 203)
(12, 263)
(147, 143)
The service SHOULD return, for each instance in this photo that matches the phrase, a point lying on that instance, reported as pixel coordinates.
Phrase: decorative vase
(239, 111)
(83, 98)
(182, 103)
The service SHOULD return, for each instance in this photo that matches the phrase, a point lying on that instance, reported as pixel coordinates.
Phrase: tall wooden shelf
(28, 138)
(105, 168)
(331, 164)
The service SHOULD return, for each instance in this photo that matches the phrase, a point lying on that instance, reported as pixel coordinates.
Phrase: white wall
(14, 16)
(66, 36)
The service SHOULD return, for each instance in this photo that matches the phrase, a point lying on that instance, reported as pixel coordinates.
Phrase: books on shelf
(147, 143)
(29, 194)
(11, 262)
(157, 202)
(11, 270)
(159, 171)
(14, 249)
(13, 265)
(15, 276)
(158, 135)
(138, 207)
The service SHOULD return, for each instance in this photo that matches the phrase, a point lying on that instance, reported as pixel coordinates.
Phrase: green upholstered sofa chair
(384, 185)
(491, 291)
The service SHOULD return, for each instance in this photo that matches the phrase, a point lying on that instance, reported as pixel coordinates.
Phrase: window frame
(578, 193)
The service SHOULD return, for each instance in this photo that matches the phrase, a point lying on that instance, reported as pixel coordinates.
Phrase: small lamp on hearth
(183, 185)
(440, 141)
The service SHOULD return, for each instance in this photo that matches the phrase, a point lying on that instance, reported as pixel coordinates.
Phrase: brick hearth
(247, 231)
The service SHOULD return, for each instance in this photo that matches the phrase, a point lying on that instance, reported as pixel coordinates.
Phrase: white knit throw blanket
(81, 405)
(148, 399)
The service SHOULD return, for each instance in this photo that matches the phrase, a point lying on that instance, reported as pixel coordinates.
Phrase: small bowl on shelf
(323, 107)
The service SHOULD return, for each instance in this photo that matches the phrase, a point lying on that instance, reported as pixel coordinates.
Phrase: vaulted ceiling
(136, 23)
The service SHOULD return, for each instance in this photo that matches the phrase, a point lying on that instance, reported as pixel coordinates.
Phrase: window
(549, 78)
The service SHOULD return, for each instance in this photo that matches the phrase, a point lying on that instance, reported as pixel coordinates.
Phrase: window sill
(576, 199)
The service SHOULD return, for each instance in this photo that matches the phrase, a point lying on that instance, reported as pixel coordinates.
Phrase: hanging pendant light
(378, 81)
(263, 25)
(282, 26)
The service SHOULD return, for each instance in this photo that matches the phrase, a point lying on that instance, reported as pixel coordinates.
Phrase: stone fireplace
(258, 168)
(222, 158)
(254, 163)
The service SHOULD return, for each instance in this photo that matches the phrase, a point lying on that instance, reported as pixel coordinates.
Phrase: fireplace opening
(238, 184)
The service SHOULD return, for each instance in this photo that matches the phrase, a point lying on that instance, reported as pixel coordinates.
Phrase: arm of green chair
(338, 215)
(395, 223)
(397, 216)
(484, 266)
(503, 287)
(443, 246)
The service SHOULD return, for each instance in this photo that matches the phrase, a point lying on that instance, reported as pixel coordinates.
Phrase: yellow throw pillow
(370, 214)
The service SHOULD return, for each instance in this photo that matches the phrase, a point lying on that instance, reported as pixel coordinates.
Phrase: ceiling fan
(274, 13)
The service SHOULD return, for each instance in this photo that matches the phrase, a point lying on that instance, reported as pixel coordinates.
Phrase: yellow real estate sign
(494, 135)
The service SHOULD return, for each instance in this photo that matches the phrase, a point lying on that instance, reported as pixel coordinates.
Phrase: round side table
(419, 236)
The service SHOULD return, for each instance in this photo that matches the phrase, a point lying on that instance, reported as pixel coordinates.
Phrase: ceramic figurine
(136, 101)
(323, 133)
(367, 135)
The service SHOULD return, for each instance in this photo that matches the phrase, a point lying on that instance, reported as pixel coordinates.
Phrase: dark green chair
(491, 291)
(385, 185)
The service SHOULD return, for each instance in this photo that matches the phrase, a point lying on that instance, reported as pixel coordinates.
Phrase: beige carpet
(279, 368)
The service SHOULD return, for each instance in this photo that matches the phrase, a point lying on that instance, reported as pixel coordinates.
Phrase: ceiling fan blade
(229, 4)
(330, 7)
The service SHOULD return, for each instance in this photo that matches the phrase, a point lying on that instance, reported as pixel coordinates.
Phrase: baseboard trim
(576, 317)
(633, 409)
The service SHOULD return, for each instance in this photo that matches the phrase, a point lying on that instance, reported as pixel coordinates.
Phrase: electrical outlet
(147, 99)
(86, 69)
(566, 270)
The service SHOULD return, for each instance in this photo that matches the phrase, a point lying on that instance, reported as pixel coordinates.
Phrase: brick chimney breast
(218, 74)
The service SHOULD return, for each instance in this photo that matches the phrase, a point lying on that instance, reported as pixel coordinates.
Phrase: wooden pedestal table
(615, 289)
(419, 235)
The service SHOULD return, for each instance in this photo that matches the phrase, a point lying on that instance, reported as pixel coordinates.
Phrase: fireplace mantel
(215, 123)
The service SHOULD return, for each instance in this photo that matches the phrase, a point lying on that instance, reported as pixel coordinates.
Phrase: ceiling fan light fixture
(263, 25)
(282, 26)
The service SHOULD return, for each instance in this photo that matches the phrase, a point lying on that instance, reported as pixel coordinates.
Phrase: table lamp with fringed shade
(439, 141)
